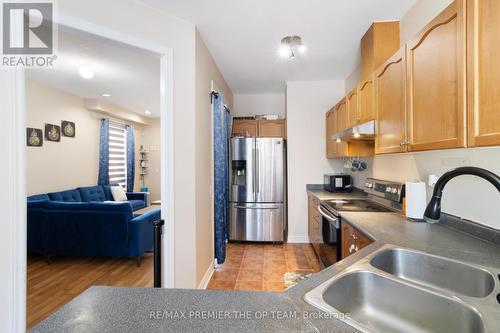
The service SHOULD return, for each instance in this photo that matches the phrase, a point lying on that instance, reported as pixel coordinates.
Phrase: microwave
(338, 183)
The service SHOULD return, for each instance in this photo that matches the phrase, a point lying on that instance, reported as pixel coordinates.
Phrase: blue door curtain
(103, 177)
(222, 121)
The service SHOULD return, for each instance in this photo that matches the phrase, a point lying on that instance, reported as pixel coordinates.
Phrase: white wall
(307, 104)
(259, 104)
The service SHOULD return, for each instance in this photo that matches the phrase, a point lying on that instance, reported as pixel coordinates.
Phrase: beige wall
(206, 72)
(67, 164)
(73, 162)
(307, 104)
(150, 138)
(467, 197)
(259, 104)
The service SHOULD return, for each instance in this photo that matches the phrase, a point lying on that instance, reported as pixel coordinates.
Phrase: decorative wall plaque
(52, 132)
(68, 128)
(34, 137)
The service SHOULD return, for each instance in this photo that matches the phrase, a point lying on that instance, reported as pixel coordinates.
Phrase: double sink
(402, 290)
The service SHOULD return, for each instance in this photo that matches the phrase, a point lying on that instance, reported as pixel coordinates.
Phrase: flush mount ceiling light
(86, 72)
(291, 45)
(105, 95)
(147, 112)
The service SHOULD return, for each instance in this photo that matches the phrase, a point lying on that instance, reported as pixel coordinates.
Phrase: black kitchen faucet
(433, 210)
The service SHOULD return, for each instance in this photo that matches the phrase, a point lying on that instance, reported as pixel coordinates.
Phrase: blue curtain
(103, 177)
(130, 158)
(222, 132)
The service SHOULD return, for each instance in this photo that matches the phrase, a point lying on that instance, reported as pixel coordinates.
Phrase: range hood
(362, 132)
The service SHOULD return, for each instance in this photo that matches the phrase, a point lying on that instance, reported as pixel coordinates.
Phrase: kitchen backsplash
(469, 197)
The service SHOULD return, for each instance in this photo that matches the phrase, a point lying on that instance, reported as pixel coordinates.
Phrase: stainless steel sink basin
(435, 271)
(374, 303)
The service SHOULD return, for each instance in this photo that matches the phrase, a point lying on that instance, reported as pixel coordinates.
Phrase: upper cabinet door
(483, 26)
(341, 119)
(390, 103)
(353, 108)
(437, 84)
(366, 101)
(341, 110)
(272, 128)
(331, 124)
(245, 127)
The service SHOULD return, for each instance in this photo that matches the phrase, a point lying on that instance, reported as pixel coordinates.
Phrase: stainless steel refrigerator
(258, 190)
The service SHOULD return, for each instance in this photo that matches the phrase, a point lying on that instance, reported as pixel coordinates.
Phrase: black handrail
(158, 226)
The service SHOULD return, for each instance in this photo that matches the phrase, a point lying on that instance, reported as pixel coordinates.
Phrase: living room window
(118, 154)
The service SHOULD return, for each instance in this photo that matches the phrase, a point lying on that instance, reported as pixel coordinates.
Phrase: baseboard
(206, 278)
(298, 239)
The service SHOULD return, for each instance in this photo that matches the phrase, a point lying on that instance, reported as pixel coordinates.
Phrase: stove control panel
(385, 189)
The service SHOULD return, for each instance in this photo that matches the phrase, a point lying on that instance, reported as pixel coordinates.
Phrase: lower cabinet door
(256, 222)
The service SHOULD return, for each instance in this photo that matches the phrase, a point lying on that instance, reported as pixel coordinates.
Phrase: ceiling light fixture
(106, 95)
(147, 112)
(290, 45)
(86, 72)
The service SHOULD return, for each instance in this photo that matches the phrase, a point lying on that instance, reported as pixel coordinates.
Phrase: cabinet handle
(354, 237)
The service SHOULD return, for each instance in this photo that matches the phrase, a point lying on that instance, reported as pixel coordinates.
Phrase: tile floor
(261, 267)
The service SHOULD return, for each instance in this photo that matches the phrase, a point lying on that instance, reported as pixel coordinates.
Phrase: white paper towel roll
(415, 200)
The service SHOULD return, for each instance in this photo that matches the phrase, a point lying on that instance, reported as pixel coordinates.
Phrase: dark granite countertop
(115, 309)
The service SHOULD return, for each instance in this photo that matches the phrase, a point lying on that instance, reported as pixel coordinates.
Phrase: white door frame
(13, 236)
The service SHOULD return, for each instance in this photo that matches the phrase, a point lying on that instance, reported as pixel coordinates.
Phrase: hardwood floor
(52, 286)
(261, 267)
(254, 267)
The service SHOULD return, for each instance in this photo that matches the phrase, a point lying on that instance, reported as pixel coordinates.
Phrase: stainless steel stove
(382, 196)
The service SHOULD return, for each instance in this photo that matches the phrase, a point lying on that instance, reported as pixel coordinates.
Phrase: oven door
(330, 247)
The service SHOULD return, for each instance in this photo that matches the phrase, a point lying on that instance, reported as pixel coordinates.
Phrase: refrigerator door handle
(253, 171)
(257, 172)
(257, 207)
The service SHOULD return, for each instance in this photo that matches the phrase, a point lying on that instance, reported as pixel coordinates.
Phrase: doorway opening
(98, 164)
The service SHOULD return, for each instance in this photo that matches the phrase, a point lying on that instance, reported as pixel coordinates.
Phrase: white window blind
(117, 154)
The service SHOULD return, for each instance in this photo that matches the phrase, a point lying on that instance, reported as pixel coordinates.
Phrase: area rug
(291, 279)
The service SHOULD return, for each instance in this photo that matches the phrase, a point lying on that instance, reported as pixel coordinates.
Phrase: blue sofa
(83, 222)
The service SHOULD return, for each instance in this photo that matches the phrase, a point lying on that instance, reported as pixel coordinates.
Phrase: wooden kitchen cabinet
(331, 128)
(366, 101)
(259, 128)
(272, 128)
(352, 240)
(352, 108)
(243, 127)
(483, 40)
(436, 74)
(314, 220)
(341, 110)
(377, 45)
(390, 104)
(335, 123)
